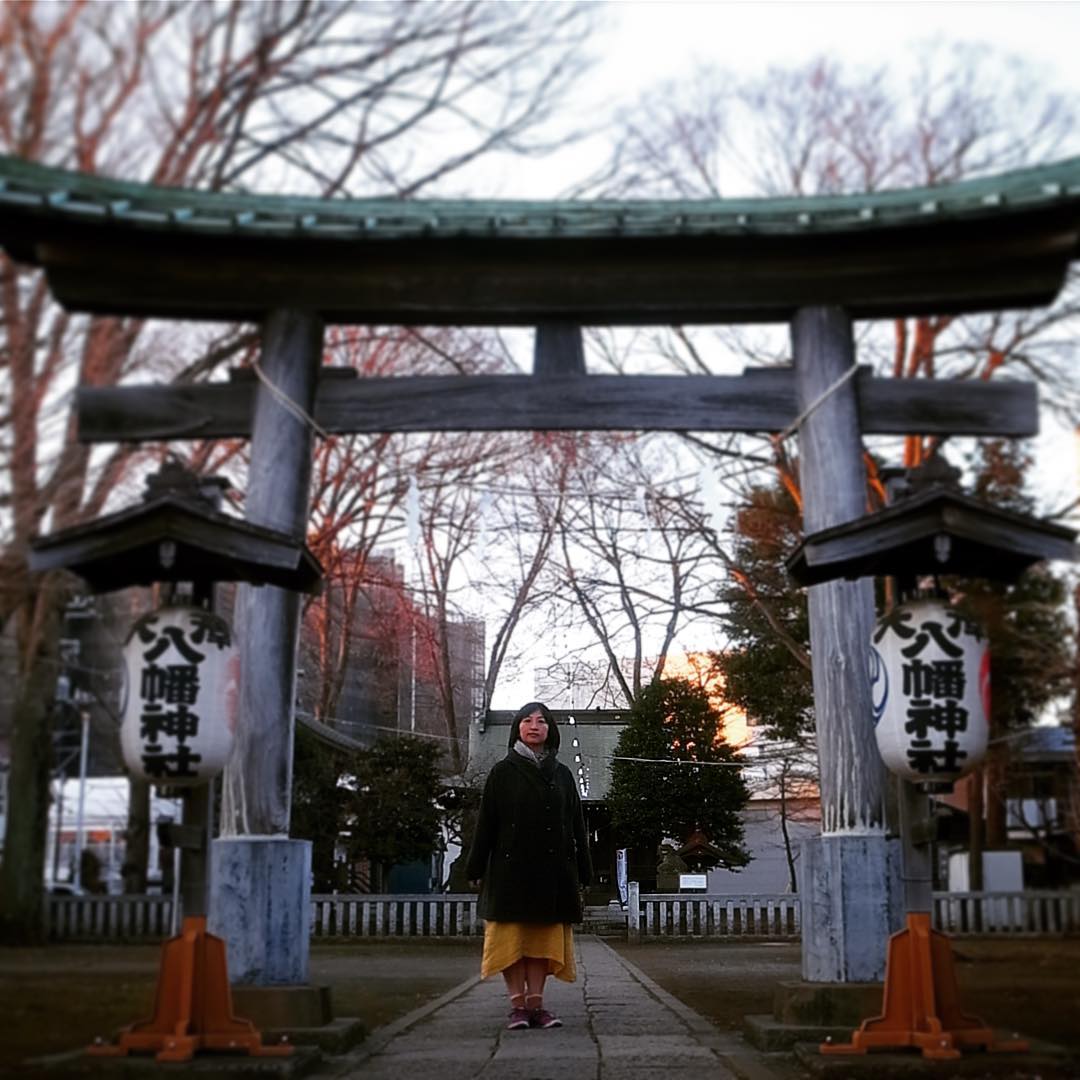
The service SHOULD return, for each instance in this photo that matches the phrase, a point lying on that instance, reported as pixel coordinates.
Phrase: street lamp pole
(58, 832)
(84, 746)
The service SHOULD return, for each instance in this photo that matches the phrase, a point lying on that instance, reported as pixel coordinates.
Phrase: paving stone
(617, 1025)
(623, 1071)
(555, 1044)
(659, 1051)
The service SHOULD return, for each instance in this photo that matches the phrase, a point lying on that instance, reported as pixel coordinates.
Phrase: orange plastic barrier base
(193, 1006)
(921, 1007)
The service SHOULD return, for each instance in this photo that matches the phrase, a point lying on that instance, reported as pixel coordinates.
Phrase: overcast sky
(647, 39)
(640, 44)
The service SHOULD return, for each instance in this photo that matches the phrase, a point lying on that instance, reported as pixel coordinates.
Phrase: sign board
(693, 881)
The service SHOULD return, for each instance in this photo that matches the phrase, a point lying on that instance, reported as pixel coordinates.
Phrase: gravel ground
(60, 997)
(1029, 986)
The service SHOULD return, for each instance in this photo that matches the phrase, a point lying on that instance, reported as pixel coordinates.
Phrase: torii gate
(293, 265)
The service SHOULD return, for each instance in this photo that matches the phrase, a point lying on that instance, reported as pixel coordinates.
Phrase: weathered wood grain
(966, 265)
(841, 612)
(257, 783)
(558, 350)
(758, 400)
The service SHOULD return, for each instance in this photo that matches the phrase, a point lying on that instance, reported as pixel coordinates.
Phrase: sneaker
(519, 1018)
(541, 1018)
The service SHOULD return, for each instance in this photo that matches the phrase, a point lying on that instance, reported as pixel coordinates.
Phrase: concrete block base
(852, 901)
(1044, 1060)
(260, 903)
(301, 1015)
(766, 1033)
(813, 1013)
(826, 1004)
(337, 1036)
(280, 1006)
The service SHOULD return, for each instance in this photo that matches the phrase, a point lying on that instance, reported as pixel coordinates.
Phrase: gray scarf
(529, 754)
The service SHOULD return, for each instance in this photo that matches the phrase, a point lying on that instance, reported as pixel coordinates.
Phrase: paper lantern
(930, 684)
(179, 717)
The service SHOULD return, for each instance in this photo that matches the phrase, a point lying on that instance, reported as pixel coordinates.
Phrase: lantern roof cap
(177, 535)
(934, 531)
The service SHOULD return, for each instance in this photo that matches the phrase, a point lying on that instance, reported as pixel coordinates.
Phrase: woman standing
(531, 856)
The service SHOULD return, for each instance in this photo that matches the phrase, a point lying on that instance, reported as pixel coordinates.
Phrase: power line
(681, 761)
(328, 724)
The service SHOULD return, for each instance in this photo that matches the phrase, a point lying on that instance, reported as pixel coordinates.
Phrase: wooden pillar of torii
(850, 874)
(260, 888)
(816, 264)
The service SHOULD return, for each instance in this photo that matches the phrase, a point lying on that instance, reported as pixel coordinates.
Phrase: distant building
(1042, 811)
(372, 664)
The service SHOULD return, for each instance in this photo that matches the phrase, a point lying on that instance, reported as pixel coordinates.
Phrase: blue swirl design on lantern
(879, 684)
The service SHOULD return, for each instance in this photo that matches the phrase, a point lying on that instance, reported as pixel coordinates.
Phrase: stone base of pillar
(852, 900)
(260, 903)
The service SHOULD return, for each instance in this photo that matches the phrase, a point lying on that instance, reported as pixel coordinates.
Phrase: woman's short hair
(552, 740)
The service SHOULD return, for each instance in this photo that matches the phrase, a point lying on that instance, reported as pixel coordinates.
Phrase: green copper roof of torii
(33, 190)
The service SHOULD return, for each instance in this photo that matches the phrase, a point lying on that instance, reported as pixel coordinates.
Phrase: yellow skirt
(507, 942)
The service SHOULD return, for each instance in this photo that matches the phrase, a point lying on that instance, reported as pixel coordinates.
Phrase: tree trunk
(23, 872)
(793, 881)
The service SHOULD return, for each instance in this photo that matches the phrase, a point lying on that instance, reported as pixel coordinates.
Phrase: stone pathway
(617, 1025)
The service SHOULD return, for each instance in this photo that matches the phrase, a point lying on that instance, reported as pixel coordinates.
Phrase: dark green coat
(530, 847)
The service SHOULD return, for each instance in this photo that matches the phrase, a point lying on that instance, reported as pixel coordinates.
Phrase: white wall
(768, 869)
(1003, 871)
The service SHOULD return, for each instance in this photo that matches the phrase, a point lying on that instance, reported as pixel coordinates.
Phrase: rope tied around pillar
(817, 403)
(288, 403)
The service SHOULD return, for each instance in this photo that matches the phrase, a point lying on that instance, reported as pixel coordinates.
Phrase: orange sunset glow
(697, 669)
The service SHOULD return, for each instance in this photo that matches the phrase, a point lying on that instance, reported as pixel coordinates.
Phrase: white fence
(370, 915)
(1030, 913)
(649, 915)
(1024, 913)
(108, 918)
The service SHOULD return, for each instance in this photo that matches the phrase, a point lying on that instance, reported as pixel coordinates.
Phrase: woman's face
(534, 730)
